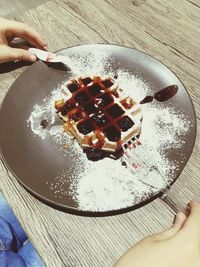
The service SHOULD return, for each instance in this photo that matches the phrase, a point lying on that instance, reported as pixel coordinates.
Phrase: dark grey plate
(36, 162)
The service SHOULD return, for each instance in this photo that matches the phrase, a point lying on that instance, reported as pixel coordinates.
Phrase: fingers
(187, 225)
(24, 31)
(180, 219)
(174, 229)
(192, 225)
(12, 54)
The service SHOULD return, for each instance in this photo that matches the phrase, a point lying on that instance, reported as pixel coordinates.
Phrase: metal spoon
(52, 59)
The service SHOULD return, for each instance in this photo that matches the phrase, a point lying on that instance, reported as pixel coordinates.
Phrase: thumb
(191, 227)
(11, 54)
(174, 229)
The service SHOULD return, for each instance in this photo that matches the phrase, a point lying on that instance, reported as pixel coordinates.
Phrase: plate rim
(77, 211)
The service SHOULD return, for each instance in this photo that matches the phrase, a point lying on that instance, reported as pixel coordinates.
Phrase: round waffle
(98, 113)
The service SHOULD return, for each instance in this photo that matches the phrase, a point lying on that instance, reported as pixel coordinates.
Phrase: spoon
(52, 59)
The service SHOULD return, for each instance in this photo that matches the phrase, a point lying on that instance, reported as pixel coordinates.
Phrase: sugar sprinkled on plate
(106, 184)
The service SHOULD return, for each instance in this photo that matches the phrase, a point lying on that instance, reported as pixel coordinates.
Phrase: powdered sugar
(92, 64)
(46, 110)
(106, 184)
(165, 126)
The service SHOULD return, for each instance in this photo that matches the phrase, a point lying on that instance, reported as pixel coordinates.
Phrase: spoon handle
(47, 56)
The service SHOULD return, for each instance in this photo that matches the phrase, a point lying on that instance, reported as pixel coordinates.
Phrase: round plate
(44, 168)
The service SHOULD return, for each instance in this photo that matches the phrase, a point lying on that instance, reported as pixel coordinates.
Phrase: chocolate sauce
(115, 93)
(94, 89)
(107, 83)
(93, 107)
(69, 105)
(105, 99)
(94, 154)
(112, 133)
(77, 116)
(115, 111)
(44, 123)
(162, 95)
(90, 108)
(85, 127)
(100, 119)
(125, 123)
(82, 97)
(147, 99)
(126, 103)
(73, 87)
(86, 80)
(166, 93)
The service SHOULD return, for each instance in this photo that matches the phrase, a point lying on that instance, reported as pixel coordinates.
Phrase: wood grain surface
(168, 31)
(9, 8)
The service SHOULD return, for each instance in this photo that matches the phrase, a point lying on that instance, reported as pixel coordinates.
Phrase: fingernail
(187, 210)
(45, 47)
(188, 207)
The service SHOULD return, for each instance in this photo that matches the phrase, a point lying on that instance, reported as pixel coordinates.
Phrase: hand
(11, 29)
(178, 246)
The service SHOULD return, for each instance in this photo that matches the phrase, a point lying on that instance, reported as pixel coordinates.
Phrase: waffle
(98, 113)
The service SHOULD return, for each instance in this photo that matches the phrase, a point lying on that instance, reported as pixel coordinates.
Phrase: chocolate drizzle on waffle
(94, 154)
(96, 114)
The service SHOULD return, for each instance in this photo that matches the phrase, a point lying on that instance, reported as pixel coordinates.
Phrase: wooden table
(167, 30)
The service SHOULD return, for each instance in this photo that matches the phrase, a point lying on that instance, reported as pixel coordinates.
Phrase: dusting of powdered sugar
(106, 184)
(46, 111)
(88, 64)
